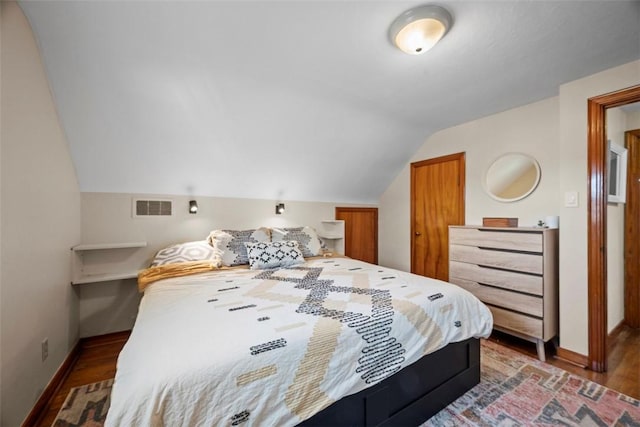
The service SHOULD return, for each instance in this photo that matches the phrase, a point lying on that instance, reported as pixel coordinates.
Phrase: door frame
(461, 177)
(631, 242)
(597, 220)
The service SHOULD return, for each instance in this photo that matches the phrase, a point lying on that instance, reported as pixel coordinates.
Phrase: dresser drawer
(503, 279)
(482, 237)
(504, 319)
(508, 260)
(502, 298)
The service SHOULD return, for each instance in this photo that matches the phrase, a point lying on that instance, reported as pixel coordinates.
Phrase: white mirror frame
(487, 187)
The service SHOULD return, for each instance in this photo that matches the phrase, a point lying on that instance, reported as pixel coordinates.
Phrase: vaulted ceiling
(304, 100)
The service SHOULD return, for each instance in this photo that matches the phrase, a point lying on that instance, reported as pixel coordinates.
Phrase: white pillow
(199, 250)
(306, 237)
(273, 254)
(231, 243)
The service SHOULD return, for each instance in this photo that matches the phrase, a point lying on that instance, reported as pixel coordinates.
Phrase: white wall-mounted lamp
(193, 207)
(279, 208)
(419, 29)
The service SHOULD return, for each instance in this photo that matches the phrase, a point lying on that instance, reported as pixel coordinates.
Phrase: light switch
(571, 199)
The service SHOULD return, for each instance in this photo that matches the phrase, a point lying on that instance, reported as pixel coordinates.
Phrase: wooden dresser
(514, 271)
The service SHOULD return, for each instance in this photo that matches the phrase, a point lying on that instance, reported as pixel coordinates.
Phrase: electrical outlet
(45, 349)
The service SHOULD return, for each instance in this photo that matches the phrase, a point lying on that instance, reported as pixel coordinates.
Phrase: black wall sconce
(193, 207)
(279, 208)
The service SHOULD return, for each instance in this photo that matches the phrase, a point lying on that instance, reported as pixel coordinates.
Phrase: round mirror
(512, 177)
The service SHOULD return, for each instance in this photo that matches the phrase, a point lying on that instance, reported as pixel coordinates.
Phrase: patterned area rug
(85, 406)
(515, 390)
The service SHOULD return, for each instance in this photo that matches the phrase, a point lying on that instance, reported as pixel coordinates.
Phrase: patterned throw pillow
(230, 243)
(199, 250)
(307, 238)
(273, 254)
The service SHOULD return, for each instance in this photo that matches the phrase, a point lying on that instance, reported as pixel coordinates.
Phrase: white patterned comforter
(274, 347)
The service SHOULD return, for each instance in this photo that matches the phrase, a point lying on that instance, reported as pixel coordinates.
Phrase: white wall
(573, 176)
(555, 132)
(532, 129)
(40, 217)
(107, 218)
(616, 126)
(633, 120)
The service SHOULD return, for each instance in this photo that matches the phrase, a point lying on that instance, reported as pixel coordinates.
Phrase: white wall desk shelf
(332, 232)
(102, 262)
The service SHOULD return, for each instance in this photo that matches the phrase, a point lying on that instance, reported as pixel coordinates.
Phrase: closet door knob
(418, 233)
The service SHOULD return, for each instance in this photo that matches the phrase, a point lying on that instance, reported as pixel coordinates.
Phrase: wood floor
(97, 362)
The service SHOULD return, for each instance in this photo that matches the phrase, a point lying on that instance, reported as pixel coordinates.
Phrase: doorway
(437, 201)
(623, 219)
(597, 220)
(632, 232)
(360, 233)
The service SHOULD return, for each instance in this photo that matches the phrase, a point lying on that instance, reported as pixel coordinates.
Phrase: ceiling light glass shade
(418, 30)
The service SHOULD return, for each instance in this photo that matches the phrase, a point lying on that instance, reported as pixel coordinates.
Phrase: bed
(331, 341)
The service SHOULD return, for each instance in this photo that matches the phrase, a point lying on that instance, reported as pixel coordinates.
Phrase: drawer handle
(488, 267)
(509, 251)
(508, 270)
(515, 231)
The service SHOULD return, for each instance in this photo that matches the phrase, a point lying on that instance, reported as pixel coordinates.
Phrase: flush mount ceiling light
(419, 29)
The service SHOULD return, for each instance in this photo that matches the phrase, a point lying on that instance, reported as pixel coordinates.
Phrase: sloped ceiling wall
(296, 100)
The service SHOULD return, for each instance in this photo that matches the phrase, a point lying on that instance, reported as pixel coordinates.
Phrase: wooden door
(632, 232)
(360, 233)
(437, 201)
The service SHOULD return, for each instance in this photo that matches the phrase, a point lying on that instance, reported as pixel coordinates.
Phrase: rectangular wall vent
(147, 208)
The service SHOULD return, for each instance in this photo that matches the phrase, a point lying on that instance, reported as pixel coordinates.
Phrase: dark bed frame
(412, 395)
